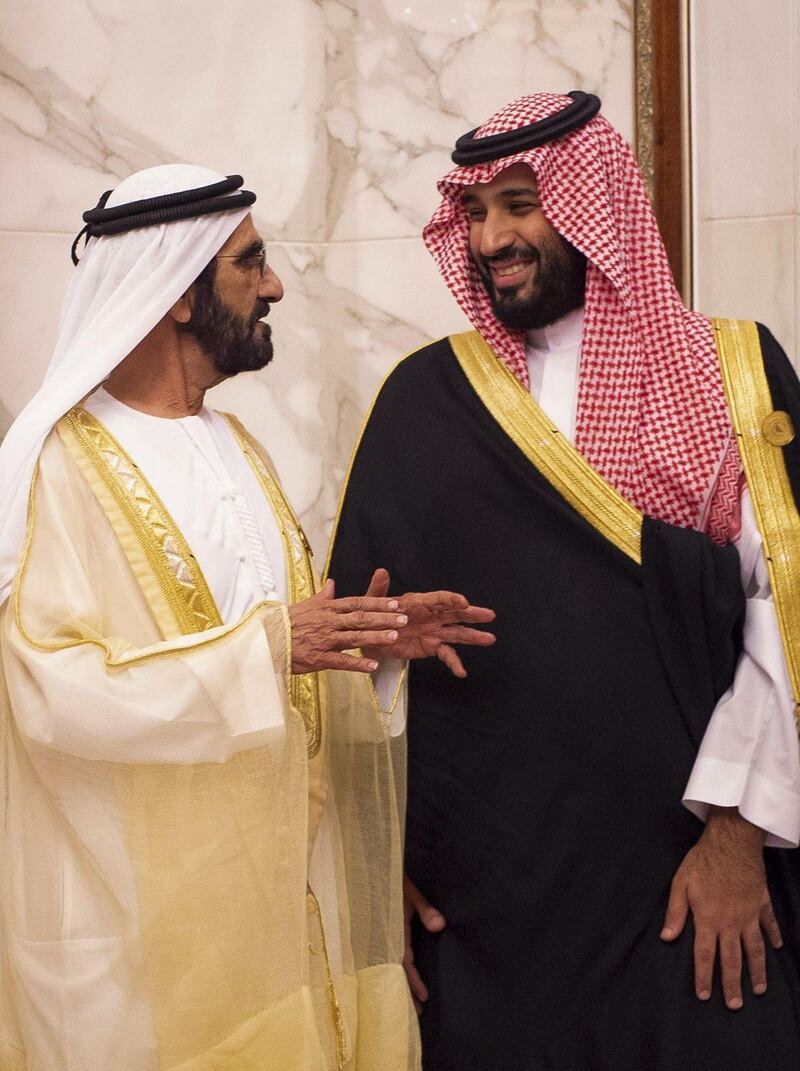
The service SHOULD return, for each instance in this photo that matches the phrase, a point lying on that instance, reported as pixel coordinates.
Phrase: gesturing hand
(414, 903)
(436, 620)
(722, 882)
(324, 627)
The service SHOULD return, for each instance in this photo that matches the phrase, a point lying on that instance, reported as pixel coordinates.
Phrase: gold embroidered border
(174, 566)
(543, 444)
(110, 659)
(304, 687)
(333, 1000)
(750, 403)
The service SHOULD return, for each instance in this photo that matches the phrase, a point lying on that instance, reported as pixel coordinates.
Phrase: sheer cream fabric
(155, 902)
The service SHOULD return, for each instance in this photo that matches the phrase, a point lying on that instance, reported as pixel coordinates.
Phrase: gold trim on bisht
(304, 687)
(529, 427)
(175, 568)
(761, 432)
(342, 1049)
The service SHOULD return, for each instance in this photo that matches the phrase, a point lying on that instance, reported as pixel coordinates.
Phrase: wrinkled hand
(324, 627)
(436, 620)
(414, 903)
(722, 882)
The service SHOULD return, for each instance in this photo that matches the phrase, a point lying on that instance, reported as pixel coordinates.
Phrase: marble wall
(339, 113)
(746, 107)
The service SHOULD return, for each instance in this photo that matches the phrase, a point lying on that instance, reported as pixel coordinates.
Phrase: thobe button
(777, 428)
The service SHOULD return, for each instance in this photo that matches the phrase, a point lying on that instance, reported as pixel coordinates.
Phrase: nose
(496, 233)
(270, 286)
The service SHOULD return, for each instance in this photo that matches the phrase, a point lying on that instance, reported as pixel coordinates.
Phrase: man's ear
(181, 311)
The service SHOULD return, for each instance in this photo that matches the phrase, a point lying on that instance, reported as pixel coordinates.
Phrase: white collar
(103, 401)
(564, 334)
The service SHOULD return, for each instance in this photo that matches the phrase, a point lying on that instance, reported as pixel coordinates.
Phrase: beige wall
(339, 113)
(746, 97)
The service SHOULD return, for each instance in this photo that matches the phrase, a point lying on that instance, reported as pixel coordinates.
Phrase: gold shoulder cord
(543, 444)
(761, 432)
(167, 553)
(304, 687)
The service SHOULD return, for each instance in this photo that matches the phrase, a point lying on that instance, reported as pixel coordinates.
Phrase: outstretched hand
(324, 628)
(436, 621)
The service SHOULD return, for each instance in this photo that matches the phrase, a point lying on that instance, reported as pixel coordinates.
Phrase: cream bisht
(162, 797)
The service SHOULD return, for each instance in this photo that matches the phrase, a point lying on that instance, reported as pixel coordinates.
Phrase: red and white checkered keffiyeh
(652, 416)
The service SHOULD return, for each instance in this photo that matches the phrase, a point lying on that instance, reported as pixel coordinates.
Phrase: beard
(557, 288)
(234, 343)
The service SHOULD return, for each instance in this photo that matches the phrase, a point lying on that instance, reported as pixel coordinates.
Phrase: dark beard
(228, 339)
(559, 287)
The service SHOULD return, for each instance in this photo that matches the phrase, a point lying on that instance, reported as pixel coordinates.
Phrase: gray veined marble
(339, 113)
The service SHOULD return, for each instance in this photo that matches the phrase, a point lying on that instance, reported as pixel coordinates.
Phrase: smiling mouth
(507, 273)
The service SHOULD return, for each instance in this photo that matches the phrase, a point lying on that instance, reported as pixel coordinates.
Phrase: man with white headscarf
(201, 829)
(589, 460)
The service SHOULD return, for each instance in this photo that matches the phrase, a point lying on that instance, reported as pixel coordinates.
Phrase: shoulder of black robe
(545, 816)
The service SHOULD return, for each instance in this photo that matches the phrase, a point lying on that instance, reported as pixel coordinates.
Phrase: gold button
(778, 428)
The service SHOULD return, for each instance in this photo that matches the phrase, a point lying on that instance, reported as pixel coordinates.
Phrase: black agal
(470, 150)
(219, 196)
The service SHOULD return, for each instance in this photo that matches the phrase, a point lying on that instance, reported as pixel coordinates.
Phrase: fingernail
(760, 988)
(735, 1004)
(402, 619)
(666, 933)
(372, 665)
(393, 604)
(391, 636)
(704, 995)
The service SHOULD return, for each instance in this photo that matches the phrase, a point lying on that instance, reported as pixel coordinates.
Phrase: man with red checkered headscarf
(603, 812)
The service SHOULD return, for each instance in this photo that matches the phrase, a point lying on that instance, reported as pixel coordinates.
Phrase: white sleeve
(749, 756)
(390, 687)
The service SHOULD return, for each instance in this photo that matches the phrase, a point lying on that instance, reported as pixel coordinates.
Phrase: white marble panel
(339, 113)
(34, 271)
(93, 89)
(744, 89)
(351, 311)
(406, 77)
(747, 271)
(796, 101)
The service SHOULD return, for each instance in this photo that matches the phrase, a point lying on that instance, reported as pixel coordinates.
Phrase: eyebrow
(252, 250)
(520, 191)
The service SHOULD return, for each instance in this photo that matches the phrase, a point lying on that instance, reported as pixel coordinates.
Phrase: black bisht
(544, 812)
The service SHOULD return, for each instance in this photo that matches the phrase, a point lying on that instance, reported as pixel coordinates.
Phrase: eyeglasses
(260, 257)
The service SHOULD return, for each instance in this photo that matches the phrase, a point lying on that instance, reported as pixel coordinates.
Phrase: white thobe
(749, 756)
(199, 472)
